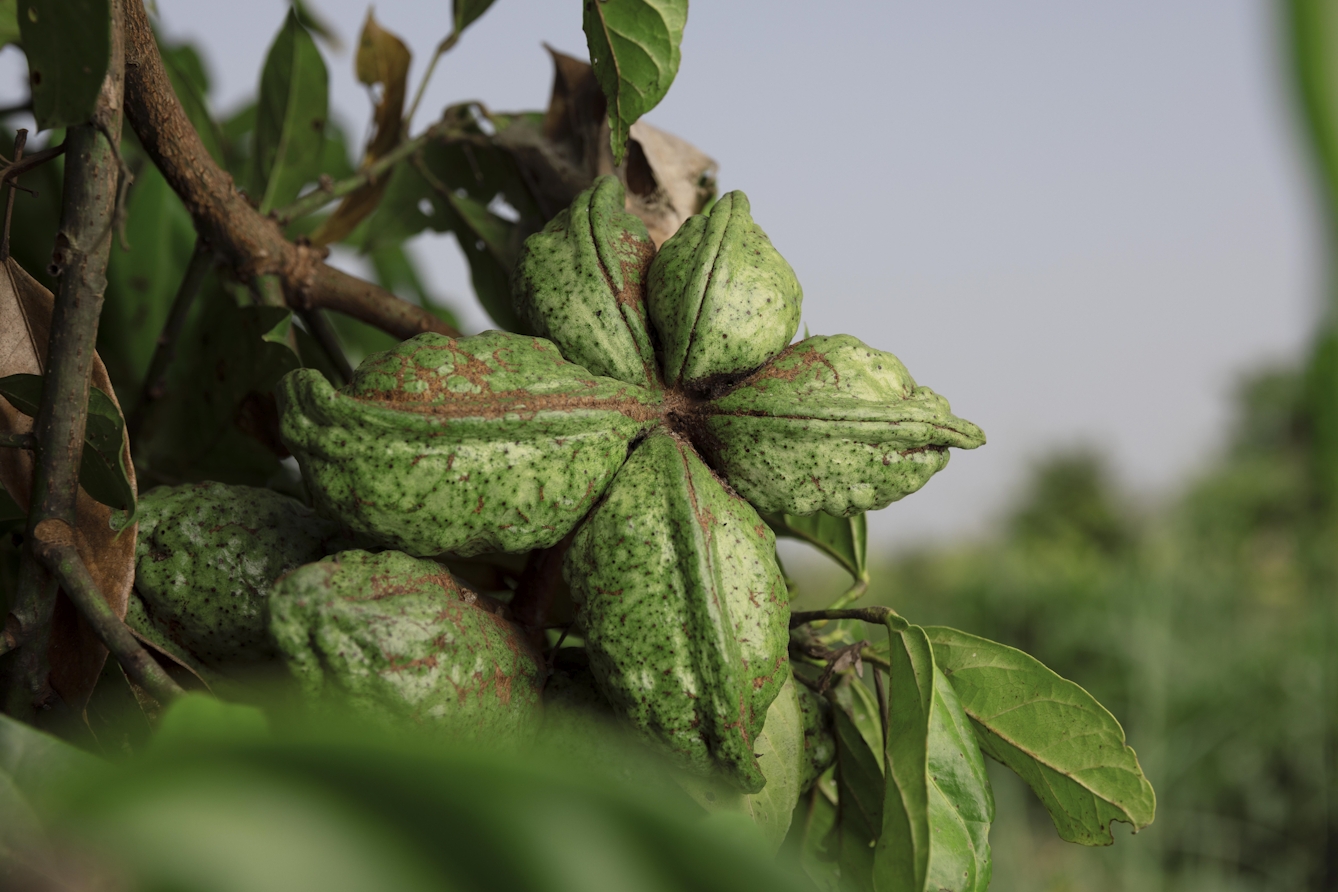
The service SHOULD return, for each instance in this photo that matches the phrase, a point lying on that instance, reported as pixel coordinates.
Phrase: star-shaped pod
(663, 407)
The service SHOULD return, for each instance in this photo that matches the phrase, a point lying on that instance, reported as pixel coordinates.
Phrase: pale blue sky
(1077, 221)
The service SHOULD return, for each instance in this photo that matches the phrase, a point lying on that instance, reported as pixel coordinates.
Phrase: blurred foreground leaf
(68, 45)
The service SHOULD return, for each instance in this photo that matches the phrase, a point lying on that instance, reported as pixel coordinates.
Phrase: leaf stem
(165, 351)
(328, 339)
(20, 140)
(442, 49)
(880, 616)
(53, 543)
(83, 244)
(18, 441)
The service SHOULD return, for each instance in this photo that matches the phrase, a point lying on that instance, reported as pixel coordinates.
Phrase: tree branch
(880, 616)
(53, 542)
(252, 244)
(83, 244)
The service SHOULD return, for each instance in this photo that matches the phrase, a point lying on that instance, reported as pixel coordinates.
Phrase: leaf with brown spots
(76, 654)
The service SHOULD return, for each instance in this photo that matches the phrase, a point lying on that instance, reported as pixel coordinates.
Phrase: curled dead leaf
(76, 654)
(667, 178)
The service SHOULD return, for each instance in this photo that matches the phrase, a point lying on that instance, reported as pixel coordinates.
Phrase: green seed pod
(581, 283)
(722, 298)
(206, 557)
(819, 743)
(684, 609)
(394, 637)
(489, 443)
(832, 425)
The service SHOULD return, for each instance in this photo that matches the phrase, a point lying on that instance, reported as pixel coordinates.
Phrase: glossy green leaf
(859, 818)
(102, 471)
(68, 45)
(291, 116)
(634, 48)
(961, 804)
(9, 22)
(843, 539)
(1064, 744)
(465, 12)
(901, 859)
(780, 756)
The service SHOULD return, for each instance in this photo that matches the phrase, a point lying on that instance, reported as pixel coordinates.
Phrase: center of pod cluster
(655, 409)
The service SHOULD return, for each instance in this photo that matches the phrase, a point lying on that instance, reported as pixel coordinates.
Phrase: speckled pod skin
(394, 637)
(722, 298)
(581, 283)
(832, 425)
(207, 556)
(684, 609)
(488, 443)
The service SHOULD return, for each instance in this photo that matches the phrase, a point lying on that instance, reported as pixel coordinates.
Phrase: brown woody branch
(251, 243)
(83, 243)
(53, 543)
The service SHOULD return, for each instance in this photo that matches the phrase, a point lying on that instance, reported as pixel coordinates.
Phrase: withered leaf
(382, 59)
(76, 654)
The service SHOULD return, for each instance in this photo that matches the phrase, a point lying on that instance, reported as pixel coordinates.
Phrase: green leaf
(36, 761)
(68, 44)
(9, 22)
(1063, 743)
(465, 12)
(291, 116)
(102, 471)
(218, 420)
(901, 860)
(810, 832)
(961, 804)
(859, 785)
(634, 48)
(780, 749)
(142, 281)
(197, 720)
(843, 539)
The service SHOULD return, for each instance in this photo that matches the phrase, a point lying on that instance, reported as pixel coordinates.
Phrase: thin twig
(328, 192)
(20, 140)
(328, 340)
(880, 689)
(83, 244)
(442, 49)
(881, 616)
(53, 542)
(18, 441)
(19, 167)
(155, 380)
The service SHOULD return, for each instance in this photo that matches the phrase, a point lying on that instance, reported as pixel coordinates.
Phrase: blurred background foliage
(1197, 623)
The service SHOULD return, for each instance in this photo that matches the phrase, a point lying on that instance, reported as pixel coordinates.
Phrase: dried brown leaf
(76, 654)
(667, 178)
(382, 59)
